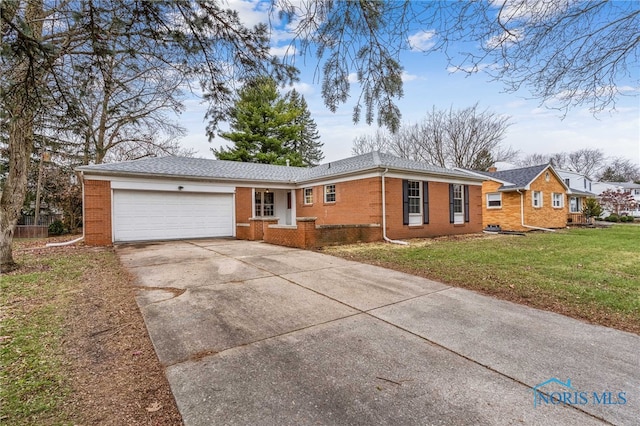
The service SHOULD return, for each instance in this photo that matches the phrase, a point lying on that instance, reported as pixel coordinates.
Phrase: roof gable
(515, 179)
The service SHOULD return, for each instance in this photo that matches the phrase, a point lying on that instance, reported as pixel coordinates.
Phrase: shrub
(612, 218)
(56, 228)
(592, 208)
(626, 218)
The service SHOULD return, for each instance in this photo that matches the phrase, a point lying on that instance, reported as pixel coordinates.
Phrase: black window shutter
(405, 202)
(466, 203)
(425, 202)
(451, 216)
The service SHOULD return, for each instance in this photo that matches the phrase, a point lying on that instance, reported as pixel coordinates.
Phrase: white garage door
(157, 215)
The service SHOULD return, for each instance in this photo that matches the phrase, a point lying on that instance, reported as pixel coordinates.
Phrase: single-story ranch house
(369, 197)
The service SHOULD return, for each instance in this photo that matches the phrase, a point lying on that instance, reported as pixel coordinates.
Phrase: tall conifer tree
(267, 127)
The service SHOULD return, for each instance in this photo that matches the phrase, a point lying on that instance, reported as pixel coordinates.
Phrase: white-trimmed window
(458, 203)
(494, 200)
(263, 202)
(415, 202)
(574, 205)
(329, 193)
(308, 195)
(536, 199)
(557, 200)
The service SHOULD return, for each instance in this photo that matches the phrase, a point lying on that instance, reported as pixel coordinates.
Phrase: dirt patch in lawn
(111, 366)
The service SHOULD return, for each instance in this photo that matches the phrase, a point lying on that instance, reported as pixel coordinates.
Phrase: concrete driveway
(251, 333)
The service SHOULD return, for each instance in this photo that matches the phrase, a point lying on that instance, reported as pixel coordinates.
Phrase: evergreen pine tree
(307, 141)
(269, 128)
(262, 122)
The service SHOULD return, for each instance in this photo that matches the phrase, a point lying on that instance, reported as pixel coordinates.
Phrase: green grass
(593, 274)
(34, 301)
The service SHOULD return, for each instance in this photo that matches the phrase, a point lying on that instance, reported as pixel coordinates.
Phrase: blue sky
(428, 83)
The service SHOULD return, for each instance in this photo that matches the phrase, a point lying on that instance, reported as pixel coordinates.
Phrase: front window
(458, 204)
(267, 205)
(414, 197)
(536, 199)
(308, 195)
(494, 200)
(574, 205)
(263, 202)
(558, 200)
(415, 202)
(329, 193)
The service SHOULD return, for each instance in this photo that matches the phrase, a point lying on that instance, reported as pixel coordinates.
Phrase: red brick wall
(509, 217)
(243, 205)
(243, 232)
(302, 236)
(347, 234)
(97, 213)
(438, 212)
(357, 202)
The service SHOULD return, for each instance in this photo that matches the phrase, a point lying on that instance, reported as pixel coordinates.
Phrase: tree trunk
(21, 109)
(15, 188)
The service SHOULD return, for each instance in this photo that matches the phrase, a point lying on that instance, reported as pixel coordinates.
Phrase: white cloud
(251, 12)
(505, 39)
(353, 77)
(422, 40)
(303, 88)
(408, 77)
(283, 51)
(530, 10)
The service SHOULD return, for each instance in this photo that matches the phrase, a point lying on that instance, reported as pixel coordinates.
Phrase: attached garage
(163, 215)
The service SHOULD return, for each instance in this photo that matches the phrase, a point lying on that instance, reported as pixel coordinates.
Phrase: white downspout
(384, 215)
(67, 243)
(522, 216)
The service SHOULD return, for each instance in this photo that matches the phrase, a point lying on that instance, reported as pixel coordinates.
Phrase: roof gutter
(522, 216)
(384, 215)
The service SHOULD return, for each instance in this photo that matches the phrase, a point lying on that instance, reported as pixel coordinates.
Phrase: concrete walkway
(252, 333)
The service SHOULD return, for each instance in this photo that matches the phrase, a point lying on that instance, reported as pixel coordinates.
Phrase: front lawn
(73, 346)
(591, 274)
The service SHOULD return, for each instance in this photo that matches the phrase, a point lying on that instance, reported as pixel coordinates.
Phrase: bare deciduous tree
(586, 161)
(39, 39)
(363, 144)
(620, 170)
(467, 138)
(589, 162)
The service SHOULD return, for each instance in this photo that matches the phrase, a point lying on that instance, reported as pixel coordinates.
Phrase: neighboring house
(369, 197)
(524, 198)
(628, 187)
(580, 189)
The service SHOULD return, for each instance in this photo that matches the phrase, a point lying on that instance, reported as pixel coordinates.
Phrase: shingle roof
(378, 160)
(199, 168)
(234, 170)
(626, 185)
(516, 178)
(581, 192)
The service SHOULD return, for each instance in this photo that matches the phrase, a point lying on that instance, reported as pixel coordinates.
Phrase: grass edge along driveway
(590, 274)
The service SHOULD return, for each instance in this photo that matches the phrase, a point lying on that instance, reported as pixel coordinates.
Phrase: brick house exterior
(523, 199)
(338, 202)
